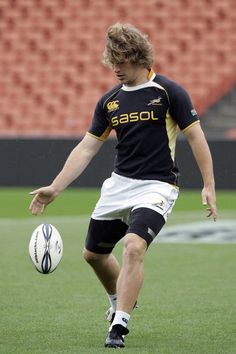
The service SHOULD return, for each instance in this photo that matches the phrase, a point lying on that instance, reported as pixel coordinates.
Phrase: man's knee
(92, 257)
(134, 248)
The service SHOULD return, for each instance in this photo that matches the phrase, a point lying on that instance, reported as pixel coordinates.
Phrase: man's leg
(129, 283)
(145, 224)
(101, 238)
(106, 268)
(130, 279)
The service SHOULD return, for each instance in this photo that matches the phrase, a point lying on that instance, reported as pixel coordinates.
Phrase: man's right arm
(75, 164)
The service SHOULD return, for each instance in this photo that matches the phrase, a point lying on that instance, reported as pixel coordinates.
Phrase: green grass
(15, 202)
(81, 201)
(187, 303)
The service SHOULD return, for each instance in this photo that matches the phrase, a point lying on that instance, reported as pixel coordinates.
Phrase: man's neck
(141, 78)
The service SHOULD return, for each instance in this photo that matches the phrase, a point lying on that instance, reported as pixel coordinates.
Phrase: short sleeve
(181, 108)
(100, 127)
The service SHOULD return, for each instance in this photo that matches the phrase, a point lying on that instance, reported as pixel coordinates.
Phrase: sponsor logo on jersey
(155, 102)
(112, 106)
(133, 117)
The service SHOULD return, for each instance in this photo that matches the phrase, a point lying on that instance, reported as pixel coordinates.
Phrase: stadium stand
(221, 117)
(51, 73)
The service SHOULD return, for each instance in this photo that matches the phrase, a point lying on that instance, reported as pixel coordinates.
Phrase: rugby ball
(46, 248)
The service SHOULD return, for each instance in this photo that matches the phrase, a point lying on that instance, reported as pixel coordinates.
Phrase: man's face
(127, 73)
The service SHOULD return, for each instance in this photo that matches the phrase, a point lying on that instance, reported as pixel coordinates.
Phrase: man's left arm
(202, 154)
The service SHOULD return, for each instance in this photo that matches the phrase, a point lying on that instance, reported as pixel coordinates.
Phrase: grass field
(187, 304)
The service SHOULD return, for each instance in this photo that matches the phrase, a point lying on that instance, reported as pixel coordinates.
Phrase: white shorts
(120, 195)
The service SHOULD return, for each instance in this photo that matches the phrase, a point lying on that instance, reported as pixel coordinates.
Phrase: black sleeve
(100, 127)
(181, 107)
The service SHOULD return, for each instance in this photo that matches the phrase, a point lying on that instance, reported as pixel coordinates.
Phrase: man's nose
(116, 68)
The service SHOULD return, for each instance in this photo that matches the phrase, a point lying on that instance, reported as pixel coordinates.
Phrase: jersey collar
(151, 76)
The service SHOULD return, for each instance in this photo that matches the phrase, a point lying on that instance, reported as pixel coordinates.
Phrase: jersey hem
(96, 137)
(189, 126)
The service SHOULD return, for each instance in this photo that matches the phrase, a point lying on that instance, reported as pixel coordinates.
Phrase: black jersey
(146, 119)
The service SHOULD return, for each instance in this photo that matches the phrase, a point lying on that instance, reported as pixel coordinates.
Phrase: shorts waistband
(141, 181)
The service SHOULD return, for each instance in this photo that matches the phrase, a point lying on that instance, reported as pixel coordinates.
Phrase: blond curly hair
(125, 43)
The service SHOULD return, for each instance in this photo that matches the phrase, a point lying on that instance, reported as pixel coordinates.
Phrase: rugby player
(146, 110)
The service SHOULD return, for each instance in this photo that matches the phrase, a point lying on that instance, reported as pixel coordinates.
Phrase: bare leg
(130, 279)
(106, 268)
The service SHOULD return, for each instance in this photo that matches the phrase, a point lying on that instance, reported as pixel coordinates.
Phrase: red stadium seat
(51, 74)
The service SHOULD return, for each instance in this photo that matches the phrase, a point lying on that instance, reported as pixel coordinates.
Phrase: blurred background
(51, 77)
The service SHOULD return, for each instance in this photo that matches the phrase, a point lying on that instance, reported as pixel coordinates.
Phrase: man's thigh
(103, 235)
(146, 223)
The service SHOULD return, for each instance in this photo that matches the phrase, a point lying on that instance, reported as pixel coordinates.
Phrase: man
(145, 109)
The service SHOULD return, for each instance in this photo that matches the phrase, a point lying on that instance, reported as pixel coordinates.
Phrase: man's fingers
(209, 212)
(212, 212)
(32, 203)
(209, 201)
(41, 198)
(35, 208)
(36, 191)
(204, 200)
(44, 206)
(36, 204)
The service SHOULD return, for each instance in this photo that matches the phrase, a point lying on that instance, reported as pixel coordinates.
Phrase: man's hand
(209, 199)
(42, 197)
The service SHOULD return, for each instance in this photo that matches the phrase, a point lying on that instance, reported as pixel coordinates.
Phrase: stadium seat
(50, 62)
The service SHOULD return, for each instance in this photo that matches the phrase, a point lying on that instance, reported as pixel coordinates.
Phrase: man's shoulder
(166, 82)
(173, 88)
(110, 93)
